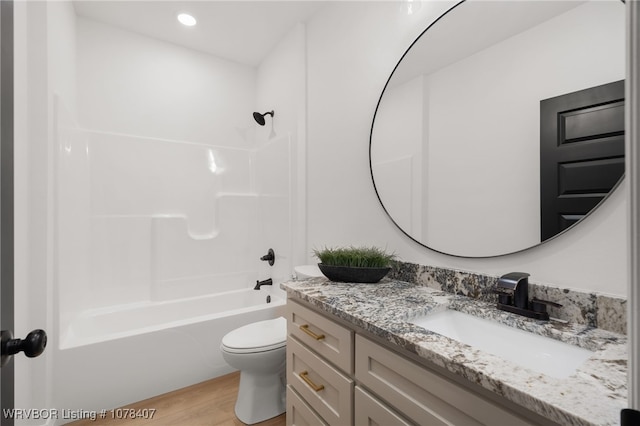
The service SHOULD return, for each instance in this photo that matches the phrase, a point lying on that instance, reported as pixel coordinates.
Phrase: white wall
(352, 49)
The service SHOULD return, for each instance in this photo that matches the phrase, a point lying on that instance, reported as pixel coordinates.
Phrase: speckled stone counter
(593, 395)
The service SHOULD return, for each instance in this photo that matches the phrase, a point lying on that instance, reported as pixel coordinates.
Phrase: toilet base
(260, 396)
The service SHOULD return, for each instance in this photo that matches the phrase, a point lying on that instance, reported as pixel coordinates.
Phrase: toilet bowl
(258, 350)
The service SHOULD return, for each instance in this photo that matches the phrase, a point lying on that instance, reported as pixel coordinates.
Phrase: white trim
(633, 164)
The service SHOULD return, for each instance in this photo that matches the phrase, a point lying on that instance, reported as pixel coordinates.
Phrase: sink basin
(538, 353)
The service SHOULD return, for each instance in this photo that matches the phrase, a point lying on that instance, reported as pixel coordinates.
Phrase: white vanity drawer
(425, 397)
(299, 413)
(329, 339)
(369, 411)
(323, 387)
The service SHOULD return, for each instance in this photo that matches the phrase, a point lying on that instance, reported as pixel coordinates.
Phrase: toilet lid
(257, 337)
(308, 271)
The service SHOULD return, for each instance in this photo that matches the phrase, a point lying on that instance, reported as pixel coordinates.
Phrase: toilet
(304, 272)
(258, 350)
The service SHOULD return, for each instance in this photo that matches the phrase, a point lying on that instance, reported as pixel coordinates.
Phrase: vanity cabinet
(336, 376)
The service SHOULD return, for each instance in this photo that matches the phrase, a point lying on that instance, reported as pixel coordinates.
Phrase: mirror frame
(615, 187)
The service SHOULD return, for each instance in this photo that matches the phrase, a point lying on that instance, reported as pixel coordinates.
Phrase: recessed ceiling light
(186, 19)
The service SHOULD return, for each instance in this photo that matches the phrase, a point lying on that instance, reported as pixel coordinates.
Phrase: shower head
(260, 117)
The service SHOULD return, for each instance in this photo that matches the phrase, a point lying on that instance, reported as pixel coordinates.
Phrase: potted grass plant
(354, 264)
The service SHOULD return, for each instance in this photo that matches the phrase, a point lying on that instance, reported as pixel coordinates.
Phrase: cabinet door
(327, 338)
(422, 395)
(299, 413)
(323, 387)
(369, 411)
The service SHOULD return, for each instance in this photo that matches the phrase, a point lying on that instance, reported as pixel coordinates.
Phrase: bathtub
(112, 357)
(110, 323)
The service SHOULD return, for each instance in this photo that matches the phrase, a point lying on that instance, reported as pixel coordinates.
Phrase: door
(581, 153)
(6, 196)
(35, 342)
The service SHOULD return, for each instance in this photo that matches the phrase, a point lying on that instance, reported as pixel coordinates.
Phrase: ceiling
(240, 31)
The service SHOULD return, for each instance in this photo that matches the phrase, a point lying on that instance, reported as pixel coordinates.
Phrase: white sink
(538, 353)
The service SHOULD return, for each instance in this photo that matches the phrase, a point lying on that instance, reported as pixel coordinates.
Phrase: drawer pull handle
(305, 376)
(305, 328)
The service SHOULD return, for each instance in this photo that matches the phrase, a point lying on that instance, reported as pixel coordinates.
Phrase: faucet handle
(540, 306)
(545, 302)
(269, 257)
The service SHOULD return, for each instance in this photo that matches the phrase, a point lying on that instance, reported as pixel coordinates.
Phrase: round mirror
(503, 124)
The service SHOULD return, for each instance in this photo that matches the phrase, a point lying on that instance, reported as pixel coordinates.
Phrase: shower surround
(159, 244)
(147, 221)
(164, 185)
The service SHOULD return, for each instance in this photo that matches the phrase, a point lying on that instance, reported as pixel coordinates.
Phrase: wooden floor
(208, 403)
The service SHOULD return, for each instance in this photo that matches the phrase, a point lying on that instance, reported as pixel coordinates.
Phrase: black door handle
(32, 345)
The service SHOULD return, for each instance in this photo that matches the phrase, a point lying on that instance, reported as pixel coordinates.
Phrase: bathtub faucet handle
(259, 284)
(269, 257)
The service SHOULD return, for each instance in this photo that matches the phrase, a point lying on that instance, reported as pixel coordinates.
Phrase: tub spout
(261, 283)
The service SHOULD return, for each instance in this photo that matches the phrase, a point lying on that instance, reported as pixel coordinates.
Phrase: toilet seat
(259, 336)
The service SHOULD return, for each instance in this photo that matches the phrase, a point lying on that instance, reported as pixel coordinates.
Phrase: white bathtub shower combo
(164, 202)
(163, 257)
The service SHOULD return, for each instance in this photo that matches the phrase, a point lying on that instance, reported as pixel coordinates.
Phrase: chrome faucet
(259, 284)
(513, 296)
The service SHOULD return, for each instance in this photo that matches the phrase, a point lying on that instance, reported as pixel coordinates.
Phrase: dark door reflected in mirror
(581, 154)
(455, 146)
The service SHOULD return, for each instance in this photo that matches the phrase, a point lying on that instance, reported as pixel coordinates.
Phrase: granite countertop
(593, 395)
